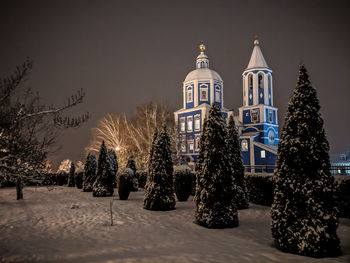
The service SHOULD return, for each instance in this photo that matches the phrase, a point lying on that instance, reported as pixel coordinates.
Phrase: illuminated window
(217, 94)
(191, 145)
(183, 143)
(189, 95)
(244, 145)
(189, 123)
(197, 142)
(197, 122)
(263, 154)
(182, 124)
(204, 92)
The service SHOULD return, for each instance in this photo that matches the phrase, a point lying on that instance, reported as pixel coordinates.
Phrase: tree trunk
(19, 188)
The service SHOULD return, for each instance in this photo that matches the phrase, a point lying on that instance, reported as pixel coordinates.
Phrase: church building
(257, 119)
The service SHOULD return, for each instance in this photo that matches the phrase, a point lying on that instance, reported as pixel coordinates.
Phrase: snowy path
(47, 226)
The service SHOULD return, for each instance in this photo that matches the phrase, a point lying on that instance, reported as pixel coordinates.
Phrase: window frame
(203, 87)
(188, 120)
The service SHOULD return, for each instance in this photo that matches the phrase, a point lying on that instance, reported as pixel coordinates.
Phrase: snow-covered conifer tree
(304, 217)
(103, 186)
(132, 165)
(114, 166)
(71, 182)
(215, 190)
(89, 172)
(159, 192)
(236, 164)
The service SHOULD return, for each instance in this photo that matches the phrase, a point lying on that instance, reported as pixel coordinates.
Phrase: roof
(202, 73)
(257, 59)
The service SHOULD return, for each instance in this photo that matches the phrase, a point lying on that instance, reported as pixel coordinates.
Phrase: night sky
(125, 53)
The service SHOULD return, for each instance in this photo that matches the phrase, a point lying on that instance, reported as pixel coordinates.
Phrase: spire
(202, 60)
(257, 59)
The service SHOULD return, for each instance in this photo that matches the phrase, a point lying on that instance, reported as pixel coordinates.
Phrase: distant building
(257, 120)
(340, 163)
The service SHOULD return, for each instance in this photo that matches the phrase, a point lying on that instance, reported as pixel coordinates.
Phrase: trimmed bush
(141, 176)
(343, 198)
(105, 174)
(304, 213)
(89, 176)
(61, 178)
(260, 188)
(216, 192)
(78, 178)
(182, 182)
(159, 192)
(71, 182)
(124, 182)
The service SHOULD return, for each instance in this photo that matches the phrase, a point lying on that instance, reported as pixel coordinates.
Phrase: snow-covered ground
(61, 224)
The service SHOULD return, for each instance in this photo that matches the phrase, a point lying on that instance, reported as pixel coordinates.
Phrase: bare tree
(29, 129)
(133, 136)
(112, 130)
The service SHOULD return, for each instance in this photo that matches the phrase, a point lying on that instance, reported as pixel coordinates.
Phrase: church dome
(202, 70)
(202, 73)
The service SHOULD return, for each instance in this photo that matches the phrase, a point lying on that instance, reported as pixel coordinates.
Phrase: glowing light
(117, 148)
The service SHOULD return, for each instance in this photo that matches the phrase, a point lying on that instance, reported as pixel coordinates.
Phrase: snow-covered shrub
(343, 198)
(260, 188)
(304, 213)
(141, 176)
(71, 182)
(89, 176)
(61, 178)
(236, 164)
(159, 192)
(114, 166)
(105, 176)
(132, 165)
(216, 192)
(125, 182)
(182, 182)
(78, 179)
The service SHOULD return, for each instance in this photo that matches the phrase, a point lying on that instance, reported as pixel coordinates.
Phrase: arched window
(270, 90)
(217, 94)
(189, 94)
(260, 81)
(250, 81)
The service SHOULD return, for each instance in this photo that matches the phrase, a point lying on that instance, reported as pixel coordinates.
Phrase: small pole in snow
(110, 208)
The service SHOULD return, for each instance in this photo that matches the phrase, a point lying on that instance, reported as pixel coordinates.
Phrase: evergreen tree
(159, 192)
(215, 191)
(132, 165)
(304, 217)
(103, 186)
(71, 182)
(165, 141)
(89, 172)
(236, 164)
(114, 166)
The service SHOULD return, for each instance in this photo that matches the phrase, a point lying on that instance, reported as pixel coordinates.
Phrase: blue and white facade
(258, 116)
(257, 120)
(201, 88)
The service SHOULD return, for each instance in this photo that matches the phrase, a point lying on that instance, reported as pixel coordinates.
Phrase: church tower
(258, 116)
(201, 88)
